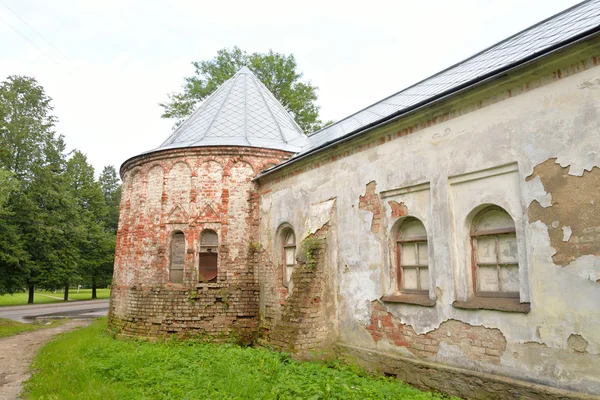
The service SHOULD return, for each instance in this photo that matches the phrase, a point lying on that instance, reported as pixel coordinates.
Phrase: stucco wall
(490, 146)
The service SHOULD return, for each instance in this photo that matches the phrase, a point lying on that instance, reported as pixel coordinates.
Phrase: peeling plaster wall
(490, 146)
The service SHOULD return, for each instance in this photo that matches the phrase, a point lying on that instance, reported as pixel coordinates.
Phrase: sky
(108, 64)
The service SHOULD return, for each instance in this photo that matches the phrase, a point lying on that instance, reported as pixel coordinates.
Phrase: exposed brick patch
(476, 342)
(301, 323)
(370, 202)
(398, 209)
(575, 206)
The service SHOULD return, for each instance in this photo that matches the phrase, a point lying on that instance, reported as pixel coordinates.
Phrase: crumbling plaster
(559, 119)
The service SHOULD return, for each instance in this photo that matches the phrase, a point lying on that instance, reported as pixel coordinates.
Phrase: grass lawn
(91, 364)
(18, 299)
(8, 327)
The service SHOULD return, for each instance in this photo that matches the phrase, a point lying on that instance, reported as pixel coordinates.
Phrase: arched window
(289, 255)
(208, 255)
(177, 257)
(494, 247)
(413, 257)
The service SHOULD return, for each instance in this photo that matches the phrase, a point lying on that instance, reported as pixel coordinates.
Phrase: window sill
(491, 303)
(416, 299)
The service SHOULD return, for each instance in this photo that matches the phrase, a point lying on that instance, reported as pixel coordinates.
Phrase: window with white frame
(289, 255)
(494, 254)
(413, 257)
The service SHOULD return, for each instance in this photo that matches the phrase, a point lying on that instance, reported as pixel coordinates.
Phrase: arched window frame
(208, 257)
(496, 235)
(402, 244)
(176, 269)
(288, 252)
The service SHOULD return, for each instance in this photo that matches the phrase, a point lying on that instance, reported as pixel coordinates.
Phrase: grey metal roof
(524, 45)
(242, 112)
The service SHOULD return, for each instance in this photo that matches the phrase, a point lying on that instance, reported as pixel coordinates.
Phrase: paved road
(75, 309)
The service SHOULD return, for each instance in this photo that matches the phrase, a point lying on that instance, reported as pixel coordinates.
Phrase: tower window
(177, 257)
(209, 256)
(413, 257)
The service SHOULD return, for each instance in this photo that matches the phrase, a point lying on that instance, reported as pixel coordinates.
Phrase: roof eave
(435, 99)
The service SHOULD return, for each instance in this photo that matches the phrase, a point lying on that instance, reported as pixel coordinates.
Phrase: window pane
(407, 254)
(409, 278)
(509, 274)
(487, 279)
(508, 249)
(486, 250)
(288, 273)
(290, 255)
(423, 254)
(424, 276)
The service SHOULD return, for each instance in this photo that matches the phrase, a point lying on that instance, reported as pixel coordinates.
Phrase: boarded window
(177, 255)
(289, 255)
(495, 261)
(413, 257)
(209, 255)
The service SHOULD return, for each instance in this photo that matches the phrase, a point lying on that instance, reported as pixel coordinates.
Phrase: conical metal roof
(242, 112)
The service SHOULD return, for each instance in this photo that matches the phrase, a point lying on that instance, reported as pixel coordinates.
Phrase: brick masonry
(188, 191)
(295, 318)
(476, 342)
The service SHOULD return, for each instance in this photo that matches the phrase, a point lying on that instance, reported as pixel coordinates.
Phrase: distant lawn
(8, 327)
(18, 299)
(90, 364)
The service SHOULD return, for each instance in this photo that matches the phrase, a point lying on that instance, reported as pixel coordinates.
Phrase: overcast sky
(107, 64)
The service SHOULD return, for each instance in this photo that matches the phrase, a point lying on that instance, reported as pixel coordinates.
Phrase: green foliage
(310, 246)
(56, 227)
(90, 364)
(8, 327)
(278, 72)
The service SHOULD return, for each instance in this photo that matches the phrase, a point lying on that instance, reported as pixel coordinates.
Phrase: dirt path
(17, 352)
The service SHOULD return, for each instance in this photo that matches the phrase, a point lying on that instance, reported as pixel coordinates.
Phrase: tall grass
(90, 364)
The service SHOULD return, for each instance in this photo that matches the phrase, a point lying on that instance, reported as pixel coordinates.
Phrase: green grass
(8, 327)
(41, 297)
(90, 364)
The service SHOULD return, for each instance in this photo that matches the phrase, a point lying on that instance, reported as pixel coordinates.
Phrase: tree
(39, 204)
(111, 188)
(96, 237)
(12, 254)
(278, 72)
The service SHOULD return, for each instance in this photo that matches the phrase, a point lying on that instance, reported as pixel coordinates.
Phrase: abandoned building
(448, 235)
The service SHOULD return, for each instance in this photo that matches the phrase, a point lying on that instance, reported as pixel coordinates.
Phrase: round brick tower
(184, 260)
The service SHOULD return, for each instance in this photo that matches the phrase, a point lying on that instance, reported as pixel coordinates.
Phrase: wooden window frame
(416, 241)
(492, 233)
(285, 234)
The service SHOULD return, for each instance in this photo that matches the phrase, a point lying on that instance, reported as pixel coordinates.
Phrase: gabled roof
(539, 39)
(242, 112)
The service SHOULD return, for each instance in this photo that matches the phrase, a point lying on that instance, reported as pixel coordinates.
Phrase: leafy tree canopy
(278, 72)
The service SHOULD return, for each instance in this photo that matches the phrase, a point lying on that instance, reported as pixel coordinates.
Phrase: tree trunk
(66, 292)
(93, 289)
(31, 291)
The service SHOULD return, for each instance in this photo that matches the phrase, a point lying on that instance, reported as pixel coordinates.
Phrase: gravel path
(17, 352)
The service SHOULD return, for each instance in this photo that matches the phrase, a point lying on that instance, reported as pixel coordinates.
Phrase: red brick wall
(476, 342)
(188, 190)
